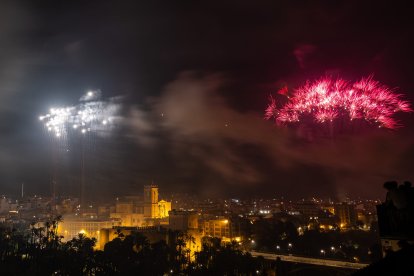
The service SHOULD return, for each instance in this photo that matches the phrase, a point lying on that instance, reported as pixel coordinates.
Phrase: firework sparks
(328, 99)
(91, 114)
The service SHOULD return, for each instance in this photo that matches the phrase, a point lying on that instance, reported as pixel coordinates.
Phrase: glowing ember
(327, 99)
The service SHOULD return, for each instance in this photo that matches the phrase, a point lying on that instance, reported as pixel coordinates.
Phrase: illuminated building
(129, 211)
(222, 228)
(153, 208)
(150, 201)
(183, 220)
(218, 228)
(346, 214)
(129, 219)
(163, 208)
(135, 212)
(72, 225)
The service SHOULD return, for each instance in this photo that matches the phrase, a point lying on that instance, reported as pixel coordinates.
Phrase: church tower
(151, 209)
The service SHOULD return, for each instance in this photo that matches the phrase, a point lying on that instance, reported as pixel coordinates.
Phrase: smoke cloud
(243, 150)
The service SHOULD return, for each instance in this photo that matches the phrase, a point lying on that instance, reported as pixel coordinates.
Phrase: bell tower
(151, 201)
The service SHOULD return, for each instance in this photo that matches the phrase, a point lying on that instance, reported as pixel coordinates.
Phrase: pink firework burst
(327, 99)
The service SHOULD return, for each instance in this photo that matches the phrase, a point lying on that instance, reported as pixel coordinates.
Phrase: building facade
(346, 214)
(153, 207)
(71, 226)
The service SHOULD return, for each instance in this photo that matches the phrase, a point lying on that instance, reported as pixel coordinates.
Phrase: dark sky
(208, 68)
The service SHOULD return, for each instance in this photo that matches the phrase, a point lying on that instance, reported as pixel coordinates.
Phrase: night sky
(193, 80)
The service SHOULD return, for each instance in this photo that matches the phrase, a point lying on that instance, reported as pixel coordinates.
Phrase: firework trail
(91, 115)
(327, 99)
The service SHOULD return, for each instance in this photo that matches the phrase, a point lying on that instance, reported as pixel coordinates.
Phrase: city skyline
(192, 83)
